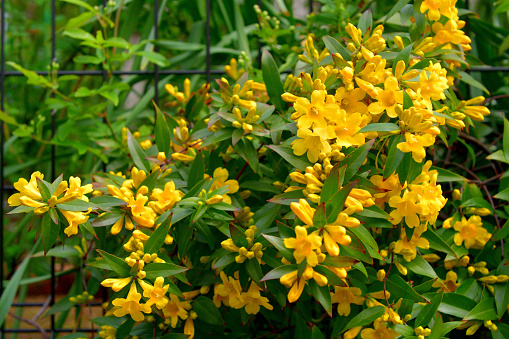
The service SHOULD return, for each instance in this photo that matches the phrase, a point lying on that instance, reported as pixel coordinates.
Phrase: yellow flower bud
(380, 275)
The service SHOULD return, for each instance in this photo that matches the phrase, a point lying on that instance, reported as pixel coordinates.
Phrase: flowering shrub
(306, 206)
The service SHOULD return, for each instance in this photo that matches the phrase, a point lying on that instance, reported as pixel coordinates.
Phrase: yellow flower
(311, 143)
(388, 188)
(253, 300)
(344, 296)
(332, 235)
(380, 332)
(303, 211)
(176, 309)
(436, 8)
(314, 114)
(415, 143)
(164, 200)
(346, 128)
(431, 87)
(25, 188)
(448, 33)
(471, 232)
(304, 245)
(116, 284)
(449, 284)
(74, 219)
(430, 198)
(156, 293)
(388, 98)
(296, 283)
(142, 214)
(351, 101)
(230, 288)
(221, 179)
(407, 248)
(406, 207)
(76, 188)
(131, 305)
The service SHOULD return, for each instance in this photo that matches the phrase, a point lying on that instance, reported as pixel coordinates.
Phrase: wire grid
(155, 73)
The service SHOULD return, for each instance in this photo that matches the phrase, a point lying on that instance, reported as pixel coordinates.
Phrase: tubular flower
(430, 198)
(303, 211)
(387, 188)
(296, 283)
(346, 128)
(315, 114)
(380, 332)
(415, 143)
(334, 235)
(131, 305)
(230, 288)
(176, 309)
(27, 189)
(74, 219)
(406, 207)
(351, 101)
(388, 98)
(344, 296)
(78, 190)
(311, 143)
(449, 284)
(156, 293)
(165, 200)
(116, 284)
(141, 214)
(471, 233)
(221, 179)
(304, 245)
(407, 248)
(253, 300)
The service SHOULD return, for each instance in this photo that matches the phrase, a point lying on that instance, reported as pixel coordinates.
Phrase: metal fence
(156, 72)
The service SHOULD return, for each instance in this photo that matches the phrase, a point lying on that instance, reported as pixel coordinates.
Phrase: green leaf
(355, 160)
(322, 295)
(456, 305)
(501, 298)
(379, 127)
(404, 55)
(106, 219)
(44, 188)
(11, 289)
(207, 311)
(333, 183)
(437, 327)
(319, 219)
(279, 244)
(196, 171)
(106, 201)
(447, 176)
(366, 317)
(218, 136)
(335, 205)
(485, 310)
(421, 267)
(436, 242)
(287, 198)
(49, 232)
(254, 269)
(156, 240)
(503, 195)
(299, 162)
(240, 28)
(502, 233)
(137, 154)
(225, 260)
(335, 47)
(364, 236)
(272, 79)
(116, 264)
(162, 132)
(469, 80)
(397, 8)
(394, 157)
(163, 269)
(124, 329)
(153, 57)
(81, 4)
(399, 288)
(505, 140)
(75, 205)
(238, 236)
(365, 21)
(428, 312)
(8, 119)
